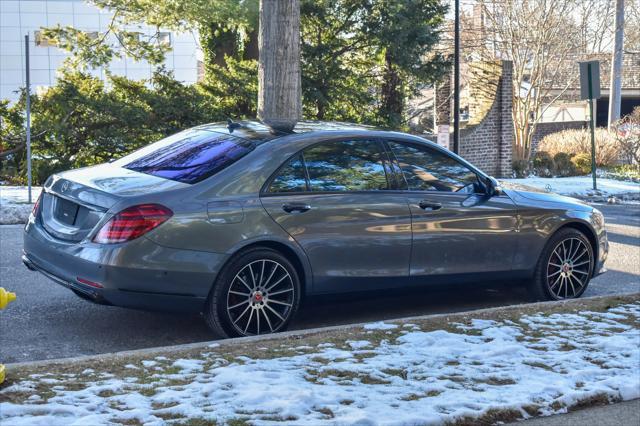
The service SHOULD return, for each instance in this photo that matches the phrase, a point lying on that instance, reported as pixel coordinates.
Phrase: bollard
(6, 297)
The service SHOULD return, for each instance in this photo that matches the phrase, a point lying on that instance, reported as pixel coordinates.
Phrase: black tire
(225, 302)
(551, 282)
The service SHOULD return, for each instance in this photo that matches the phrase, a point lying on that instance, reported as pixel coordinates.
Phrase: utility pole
(456, 80)
(615, 85)
(28, 100)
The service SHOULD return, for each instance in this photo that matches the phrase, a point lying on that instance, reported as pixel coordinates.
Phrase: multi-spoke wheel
(565, 267)
(257, 293)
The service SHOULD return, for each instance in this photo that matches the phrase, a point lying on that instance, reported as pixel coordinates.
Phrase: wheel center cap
(566, 268)
(257, 296)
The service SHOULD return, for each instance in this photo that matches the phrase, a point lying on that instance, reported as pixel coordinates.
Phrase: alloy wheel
(569, 268)
(260, 298)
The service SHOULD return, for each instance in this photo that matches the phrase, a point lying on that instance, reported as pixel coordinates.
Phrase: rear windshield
(189, 156)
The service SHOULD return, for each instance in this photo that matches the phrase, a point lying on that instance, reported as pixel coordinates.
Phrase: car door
(333, 198)
(457, 227)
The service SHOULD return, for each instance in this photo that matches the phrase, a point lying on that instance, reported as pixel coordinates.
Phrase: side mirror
(493, 187)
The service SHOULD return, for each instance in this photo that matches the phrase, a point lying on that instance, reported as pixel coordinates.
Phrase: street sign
(586, 83)
(443, 135)
(590, 90)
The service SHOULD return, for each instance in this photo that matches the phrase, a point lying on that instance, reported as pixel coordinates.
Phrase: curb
(294, 334)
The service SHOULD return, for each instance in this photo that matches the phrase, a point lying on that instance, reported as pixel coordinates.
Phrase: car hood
(516, 190)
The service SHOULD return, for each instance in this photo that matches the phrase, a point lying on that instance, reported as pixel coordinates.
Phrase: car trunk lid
(74, 202)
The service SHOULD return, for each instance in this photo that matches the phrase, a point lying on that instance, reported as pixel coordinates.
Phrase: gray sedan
(240, 222)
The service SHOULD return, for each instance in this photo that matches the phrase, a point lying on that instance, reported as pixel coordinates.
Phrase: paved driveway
(48, 321)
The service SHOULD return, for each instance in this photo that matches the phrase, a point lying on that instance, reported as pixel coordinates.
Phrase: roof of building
(630, 71)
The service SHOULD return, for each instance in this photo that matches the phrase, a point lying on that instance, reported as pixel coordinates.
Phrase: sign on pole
(443, 136)
(590, 90)
(28, 95)
(589, 83)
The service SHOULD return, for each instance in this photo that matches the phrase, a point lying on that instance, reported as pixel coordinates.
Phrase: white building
(21, 17)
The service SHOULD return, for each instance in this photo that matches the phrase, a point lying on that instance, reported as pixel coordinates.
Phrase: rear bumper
(139, 274)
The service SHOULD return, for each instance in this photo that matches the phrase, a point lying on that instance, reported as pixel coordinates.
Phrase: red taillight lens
(34, 211)
(132, 223)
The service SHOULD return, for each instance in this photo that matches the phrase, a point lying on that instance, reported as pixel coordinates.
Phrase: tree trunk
(279, 86)
(392, 96)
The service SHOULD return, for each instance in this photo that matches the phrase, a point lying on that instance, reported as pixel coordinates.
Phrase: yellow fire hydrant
(6, 297)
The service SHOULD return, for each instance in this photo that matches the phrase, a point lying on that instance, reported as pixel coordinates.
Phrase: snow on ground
(580, 185)
(534, 365)
(14, 204)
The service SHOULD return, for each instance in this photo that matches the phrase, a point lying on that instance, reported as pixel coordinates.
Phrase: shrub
(573, 142)
(627, 134)
(582, 163)
(520, 168)
(626, 172)
(543, 164)
(563, 165)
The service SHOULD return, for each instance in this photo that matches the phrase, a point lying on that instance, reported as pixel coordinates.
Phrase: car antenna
(232, 126)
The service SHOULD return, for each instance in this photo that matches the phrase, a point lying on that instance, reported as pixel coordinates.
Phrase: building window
(43, 41)
(164, 38)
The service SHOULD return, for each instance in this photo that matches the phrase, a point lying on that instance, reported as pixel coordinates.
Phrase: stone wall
(487, 140)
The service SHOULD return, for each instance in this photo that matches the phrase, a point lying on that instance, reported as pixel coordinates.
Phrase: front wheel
(565, 267)
(258, 292)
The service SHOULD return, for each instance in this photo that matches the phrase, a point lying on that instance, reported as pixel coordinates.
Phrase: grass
(148, 380)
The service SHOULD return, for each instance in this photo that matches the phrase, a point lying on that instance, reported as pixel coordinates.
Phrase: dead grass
(282, 346)
(491, 417)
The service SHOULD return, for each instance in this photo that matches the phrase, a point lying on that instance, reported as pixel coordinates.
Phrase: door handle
(296, 207)
(429, 205)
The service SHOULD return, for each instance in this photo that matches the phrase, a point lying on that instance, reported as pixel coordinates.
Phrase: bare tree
(632, 27)
(279, 86)
(543, 39)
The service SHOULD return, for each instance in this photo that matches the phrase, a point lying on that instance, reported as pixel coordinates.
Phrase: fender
(290, 244)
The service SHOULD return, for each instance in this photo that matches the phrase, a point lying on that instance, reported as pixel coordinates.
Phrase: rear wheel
(565, 267)
(258, 292)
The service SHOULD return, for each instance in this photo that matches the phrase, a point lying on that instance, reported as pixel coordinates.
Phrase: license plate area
(66, 211)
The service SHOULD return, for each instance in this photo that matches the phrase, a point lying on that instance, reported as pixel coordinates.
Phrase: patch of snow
(14, 203)
(435, 377)
(380, 325)
(358, 344)
(189, 365)
(580, 185)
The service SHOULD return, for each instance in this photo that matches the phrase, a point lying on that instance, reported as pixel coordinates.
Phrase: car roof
(257, 131)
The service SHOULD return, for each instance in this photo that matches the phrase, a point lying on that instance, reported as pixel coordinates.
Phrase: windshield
(189, 156)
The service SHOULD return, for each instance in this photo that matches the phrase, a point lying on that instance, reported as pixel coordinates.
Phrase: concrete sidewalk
(620, 414)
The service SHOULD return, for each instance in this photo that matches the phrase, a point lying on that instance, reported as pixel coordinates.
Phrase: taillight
(34, 211)
(132, 223)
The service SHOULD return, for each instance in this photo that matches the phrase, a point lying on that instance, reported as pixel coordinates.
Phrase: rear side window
(346, 166)
(426, 169)
(291, 177)
(356, 165)
(190, 156)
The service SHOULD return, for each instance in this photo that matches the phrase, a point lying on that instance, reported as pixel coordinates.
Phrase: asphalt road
(621, 414)
(49, 321)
